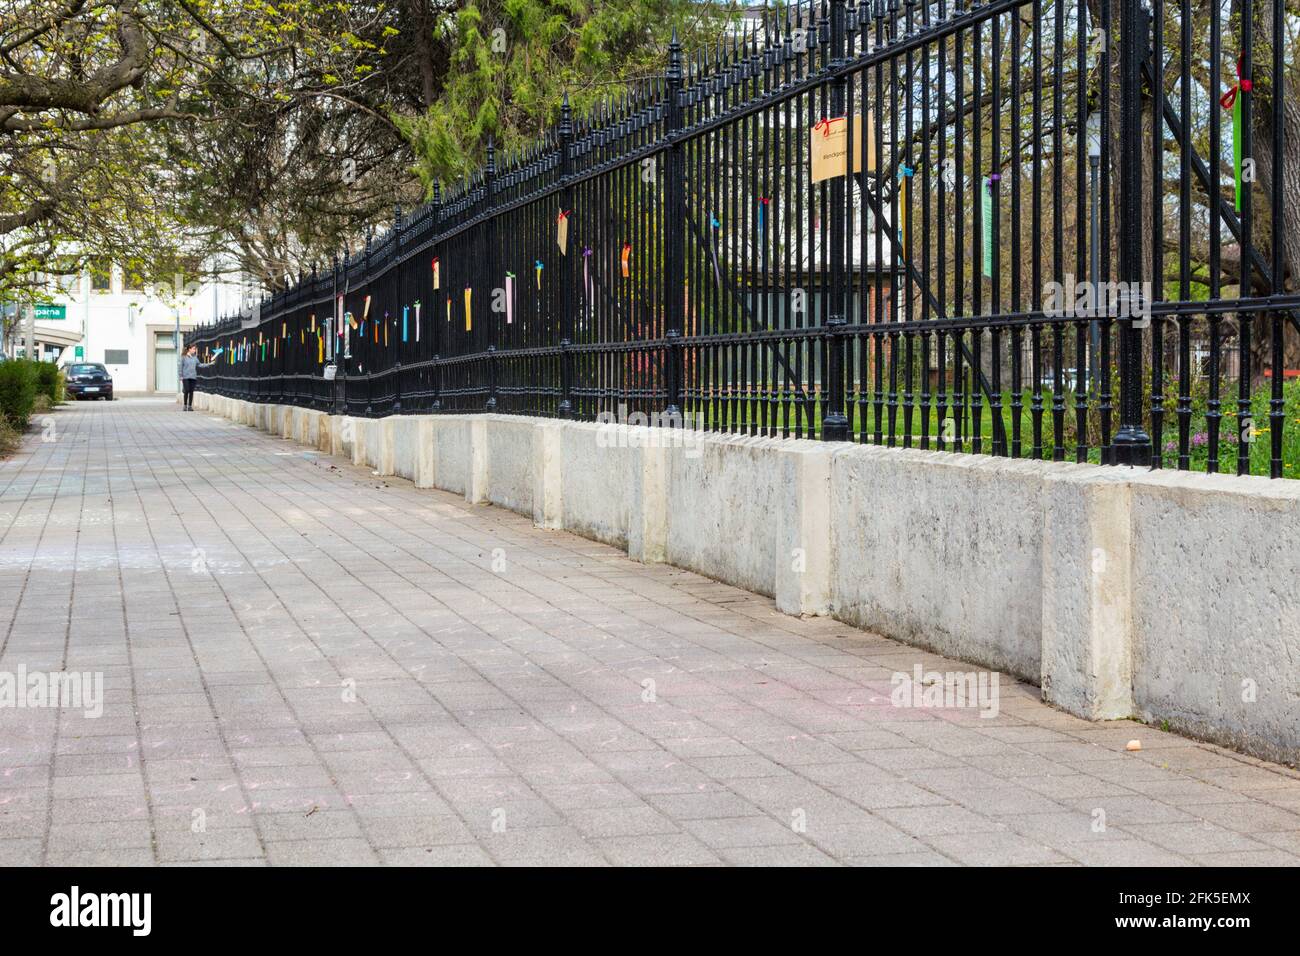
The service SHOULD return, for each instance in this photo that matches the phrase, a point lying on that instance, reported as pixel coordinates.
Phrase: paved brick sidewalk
(307, 664)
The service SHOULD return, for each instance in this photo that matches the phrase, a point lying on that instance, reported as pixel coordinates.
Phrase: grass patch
(788, 417)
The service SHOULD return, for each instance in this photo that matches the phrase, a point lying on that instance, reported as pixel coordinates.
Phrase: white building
(103, 315)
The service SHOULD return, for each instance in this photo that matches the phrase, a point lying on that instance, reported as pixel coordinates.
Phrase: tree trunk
(424, 32)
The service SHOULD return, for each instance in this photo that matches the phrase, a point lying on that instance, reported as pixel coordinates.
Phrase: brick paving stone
(319, 825)
(922, 858)
(996, 849)
(797, 855)
(326, 670)
(1126, 851)
(397, 832)
(1253, 818)
(676, 849)
(543, 846)
(620, 821)
(214, 844)
(703, 805)
(463, 854)
(742, 831)
(924, 821)
(332, 852)
(20, 852)
(1245, 858)
(1194, 837)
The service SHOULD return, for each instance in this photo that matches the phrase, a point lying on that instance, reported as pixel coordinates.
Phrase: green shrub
(17, 391)
(49, 381)
(9, 437)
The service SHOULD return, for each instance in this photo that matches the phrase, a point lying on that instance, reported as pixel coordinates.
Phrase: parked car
(89, 380)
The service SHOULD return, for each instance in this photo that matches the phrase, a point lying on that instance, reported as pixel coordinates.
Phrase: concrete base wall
(598, 479)
(1164, 596)
(511, 463)
(1216, 608)
(941, 551)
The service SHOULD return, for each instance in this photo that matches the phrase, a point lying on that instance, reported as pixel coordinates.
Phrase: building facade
(104, 316)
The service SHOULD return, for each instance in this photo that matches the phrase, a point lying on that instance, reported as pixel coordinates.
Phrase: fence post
(340, 366)
(396, 247)
(835, 426)
(674, 240)
(370, 372)
(490, 235)
(303, 362)
(1132, 444)
(435, 327)
(565, 409)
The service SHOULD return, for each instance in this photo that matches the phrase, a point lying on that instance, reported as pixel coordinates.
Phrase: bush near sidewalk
(49, 381)
(18, 380)
(10, 438)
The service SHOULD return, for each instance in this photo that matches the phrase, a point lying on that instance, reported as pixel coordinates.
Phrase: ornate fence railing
(1037, 252)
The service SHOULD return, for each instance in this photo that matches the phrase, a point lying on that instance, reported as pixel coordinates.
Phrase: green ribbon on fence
(987, 216)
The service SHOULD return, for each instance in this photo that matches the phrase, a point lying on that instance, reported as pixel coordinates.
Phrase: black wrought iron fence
(1013, 227)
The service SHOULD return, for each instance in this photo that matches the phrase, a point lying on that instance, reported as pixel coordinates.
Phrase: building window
(115, 357)
(101, 276)
(67, 275)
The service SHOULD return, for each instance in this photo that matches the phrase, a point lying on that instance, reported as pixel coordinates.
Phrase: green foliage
(102, 105)
(9, 437)
(17, 391)
(512, 61)
(49, 381)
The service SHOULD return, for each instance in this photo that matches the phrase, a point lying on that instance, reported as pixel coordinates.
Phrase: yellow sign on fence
(828, 144)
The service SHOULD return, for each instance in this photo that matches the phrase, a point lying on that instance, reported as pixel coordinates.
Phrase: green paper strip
(1236, 145)
(988, 227)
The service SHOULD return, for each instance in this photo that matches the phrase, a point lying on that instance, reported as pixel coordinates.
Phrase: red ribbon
(824, 125)
(1243, 83)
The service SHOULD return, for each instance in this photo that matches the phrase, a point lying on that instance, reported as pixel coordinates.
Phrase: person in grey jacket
(190, 366)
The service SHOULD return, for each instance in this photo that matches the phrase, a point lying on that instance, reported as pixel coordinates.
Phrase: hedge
(18, 379)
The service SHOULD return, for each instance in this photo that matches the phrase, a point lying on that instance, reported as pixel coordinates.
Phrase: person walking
(190, 366)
